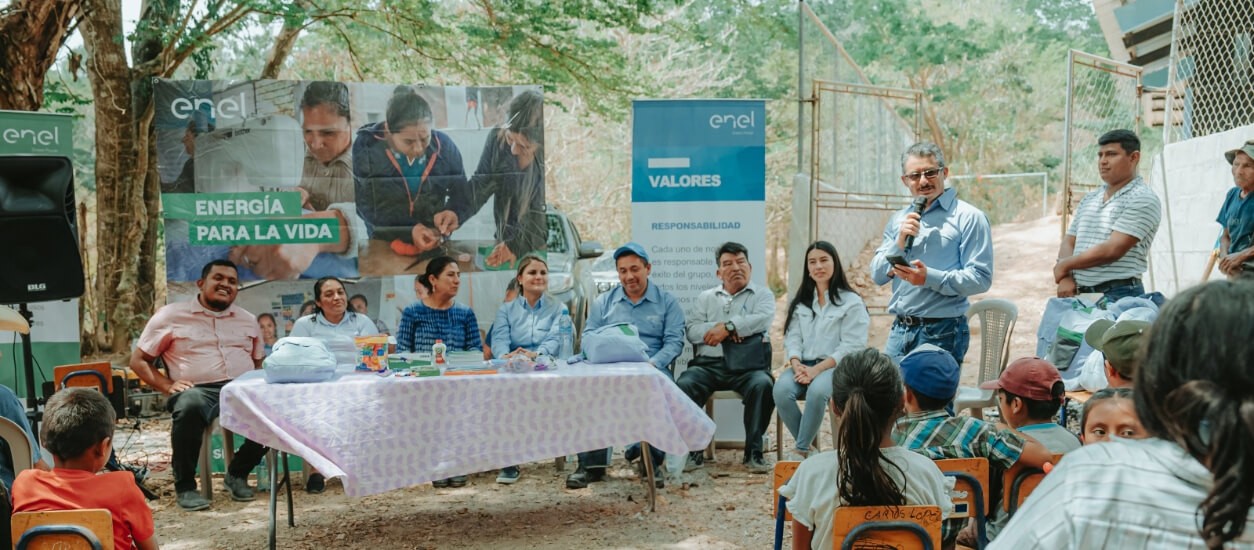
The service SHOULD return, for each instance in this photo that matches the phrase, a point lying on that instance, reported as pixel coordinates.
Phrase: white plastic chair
(19, 445)
(997, 324)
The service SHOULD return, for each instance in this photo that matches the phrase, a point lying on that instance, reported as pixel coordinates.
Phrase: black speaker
(38, 230)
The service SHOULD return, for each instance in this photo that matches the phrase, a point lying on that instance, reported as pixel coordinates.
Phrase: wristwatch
(730, 326)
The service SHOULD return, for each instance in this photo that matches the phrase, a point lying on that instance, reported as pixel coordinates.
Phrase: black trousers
(706, 375)
(193, 410)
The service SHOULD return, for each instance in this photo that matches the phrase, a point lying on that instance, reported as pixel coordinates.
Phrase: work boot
(238, 488)
(192, 501)
(583, 476)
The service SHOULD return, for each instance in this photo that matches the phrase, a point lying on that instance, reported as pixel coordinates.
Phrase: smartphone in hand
(898, 260)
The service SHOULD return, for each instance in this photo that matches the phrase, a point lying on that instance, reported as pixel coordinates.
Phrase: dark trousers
(706, 375)
(193, 410)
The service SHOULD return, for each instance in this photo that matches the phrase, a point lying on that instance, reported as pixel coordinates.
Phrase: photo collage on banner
(307, 179)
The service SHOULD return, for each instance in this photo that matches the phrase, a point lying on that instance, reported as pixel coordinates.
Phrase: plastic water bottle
(566, 332)
(438, 351)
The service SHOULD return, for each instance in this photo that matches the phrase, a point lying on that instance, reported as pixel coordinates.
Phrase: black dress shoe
(582, 477)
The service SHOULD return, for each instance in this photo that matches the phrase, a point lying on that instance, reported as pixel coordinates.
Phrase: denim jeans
(803, 425)
(601, 458)
(1113, 295)
(952, 335)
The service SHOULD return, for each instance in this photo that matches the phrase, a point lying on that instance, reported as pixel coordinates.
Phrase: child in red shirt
(78, 432)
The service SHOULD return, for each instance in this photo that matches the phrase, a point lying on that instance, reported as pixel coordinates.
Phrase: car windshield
(557, 238)
(604, 263)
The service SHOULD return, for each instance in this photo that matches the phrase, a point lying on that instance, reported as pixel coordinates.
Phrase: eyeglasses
(929, 174)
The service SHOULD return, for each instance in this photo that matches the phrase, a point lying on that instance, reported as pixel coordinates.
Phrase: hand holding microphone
(910, 225)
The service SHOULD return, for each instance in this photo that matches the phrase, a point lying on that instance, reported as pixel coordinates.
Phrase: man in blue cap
(659, 318)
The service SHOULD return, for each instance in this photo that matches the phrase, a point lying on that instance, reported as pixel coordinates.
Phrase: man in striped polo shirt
(1107, 244)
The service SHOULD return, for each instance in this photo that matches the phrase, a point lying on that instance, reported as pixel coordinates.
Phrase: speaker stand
(32, 399)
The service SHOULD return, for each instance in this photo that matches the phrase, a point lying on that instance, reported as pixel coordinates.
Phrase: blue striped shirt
(518, 325)
(421, 326)
(955, 243)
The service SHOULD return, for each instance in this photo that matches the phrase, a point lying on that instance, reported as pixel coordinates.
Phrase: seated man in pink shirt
(205, 343)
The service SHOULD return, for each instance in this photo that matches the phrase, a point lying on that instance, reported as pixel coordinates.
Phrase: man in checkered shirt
(1106, 247)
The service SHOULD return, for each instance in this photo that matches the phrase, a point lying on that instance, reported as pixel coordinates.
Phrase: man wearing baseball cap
(1029, 393)
(1236, 246)
(1118, 341)
(659, 318)
(931, 376)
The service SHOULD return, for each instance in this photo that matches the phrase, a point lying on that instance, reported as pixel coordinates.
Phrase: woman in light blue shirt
(527, 326)
(336, 326)
(826, 321)
(333, 323)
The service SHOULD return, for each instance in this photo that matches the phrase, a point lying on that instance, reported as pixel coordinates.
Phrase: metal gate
(1102, 95)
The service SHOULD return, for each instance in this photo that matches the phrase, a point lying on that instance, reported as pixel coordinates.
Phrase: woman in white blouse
(826, 321)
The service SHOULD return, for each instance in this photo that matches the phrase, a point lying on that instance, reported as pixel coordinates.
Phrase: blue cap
(631, 248)
(931, 371)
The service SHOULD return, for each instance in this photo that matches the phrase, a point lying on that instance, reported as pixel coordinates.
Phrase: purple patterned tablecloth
(384, 433)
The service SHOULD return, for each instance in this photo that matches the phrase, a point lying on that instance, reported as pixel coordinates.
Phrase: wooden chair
(228, 454)
(971, 475)
(783, 472)
(63, 530)
(84, 375)
(1018, 482)
(19, 445)
(901, 527)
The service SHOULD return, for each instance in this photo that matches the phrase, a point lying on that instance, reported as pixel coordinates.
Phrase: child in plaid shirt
(931, 376)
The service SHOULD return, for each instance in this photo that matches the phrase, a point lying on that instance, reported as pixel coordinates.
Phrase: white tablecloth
(384, 433)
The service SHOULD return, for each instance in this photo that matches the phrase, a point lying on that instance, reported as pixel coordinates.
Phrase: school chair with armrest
(19, 445)
(971, 477)
(901, 527)
(1018, 482)
(63, 530)
(783, 472)
(997, 325)
(84, 375)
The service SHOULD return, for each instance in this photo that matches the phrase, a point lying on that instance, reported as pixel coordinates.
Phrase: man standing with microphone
(936, 252)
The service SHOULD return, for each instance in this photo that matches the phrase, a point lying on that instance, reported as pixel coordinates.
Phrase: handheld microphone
(919, 203)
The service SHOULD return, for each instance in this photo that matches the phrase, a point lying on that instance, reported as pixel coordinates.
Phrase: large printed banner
(54, 329)
(698, 179)
(305, 179)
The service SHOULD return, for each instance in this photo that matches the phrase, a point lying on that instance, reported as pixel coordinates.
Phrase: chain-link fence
(851, 153)
(1212, 70)
(1102, 95)
(1006, 197)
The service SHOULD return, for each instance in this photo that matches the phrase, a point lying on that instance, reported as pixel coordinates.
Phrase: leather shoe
(316, 484)
(583, 476)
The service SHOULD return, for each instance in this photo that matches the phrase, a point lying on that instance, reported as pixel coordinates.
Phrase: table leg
(287, 481)
(647, 458)
(274, 493)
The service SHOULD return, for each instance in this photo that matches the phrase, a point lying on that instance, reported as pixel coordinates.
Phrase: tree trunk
(121, 212)
(283, 44)
(30, 36)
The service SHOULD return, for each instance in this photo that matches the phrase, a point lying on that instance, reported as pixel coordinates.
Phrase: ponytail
(867, 389)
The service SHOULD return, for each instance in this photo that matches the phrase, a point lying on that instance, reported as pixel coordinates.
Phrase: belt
(911, 321)
(1108, 285)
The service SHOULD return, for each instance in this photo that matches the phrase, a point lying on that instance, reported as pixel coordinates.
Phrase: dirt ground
(720, 506)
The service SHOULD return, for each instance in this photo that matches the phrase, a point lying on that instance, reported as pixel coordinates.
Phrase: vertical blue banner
(698, 179)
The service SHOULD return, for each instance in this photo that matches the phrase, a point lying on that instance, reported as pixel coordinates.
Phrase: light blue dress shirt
(518, 325)
(955, 243)
(657, 315)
